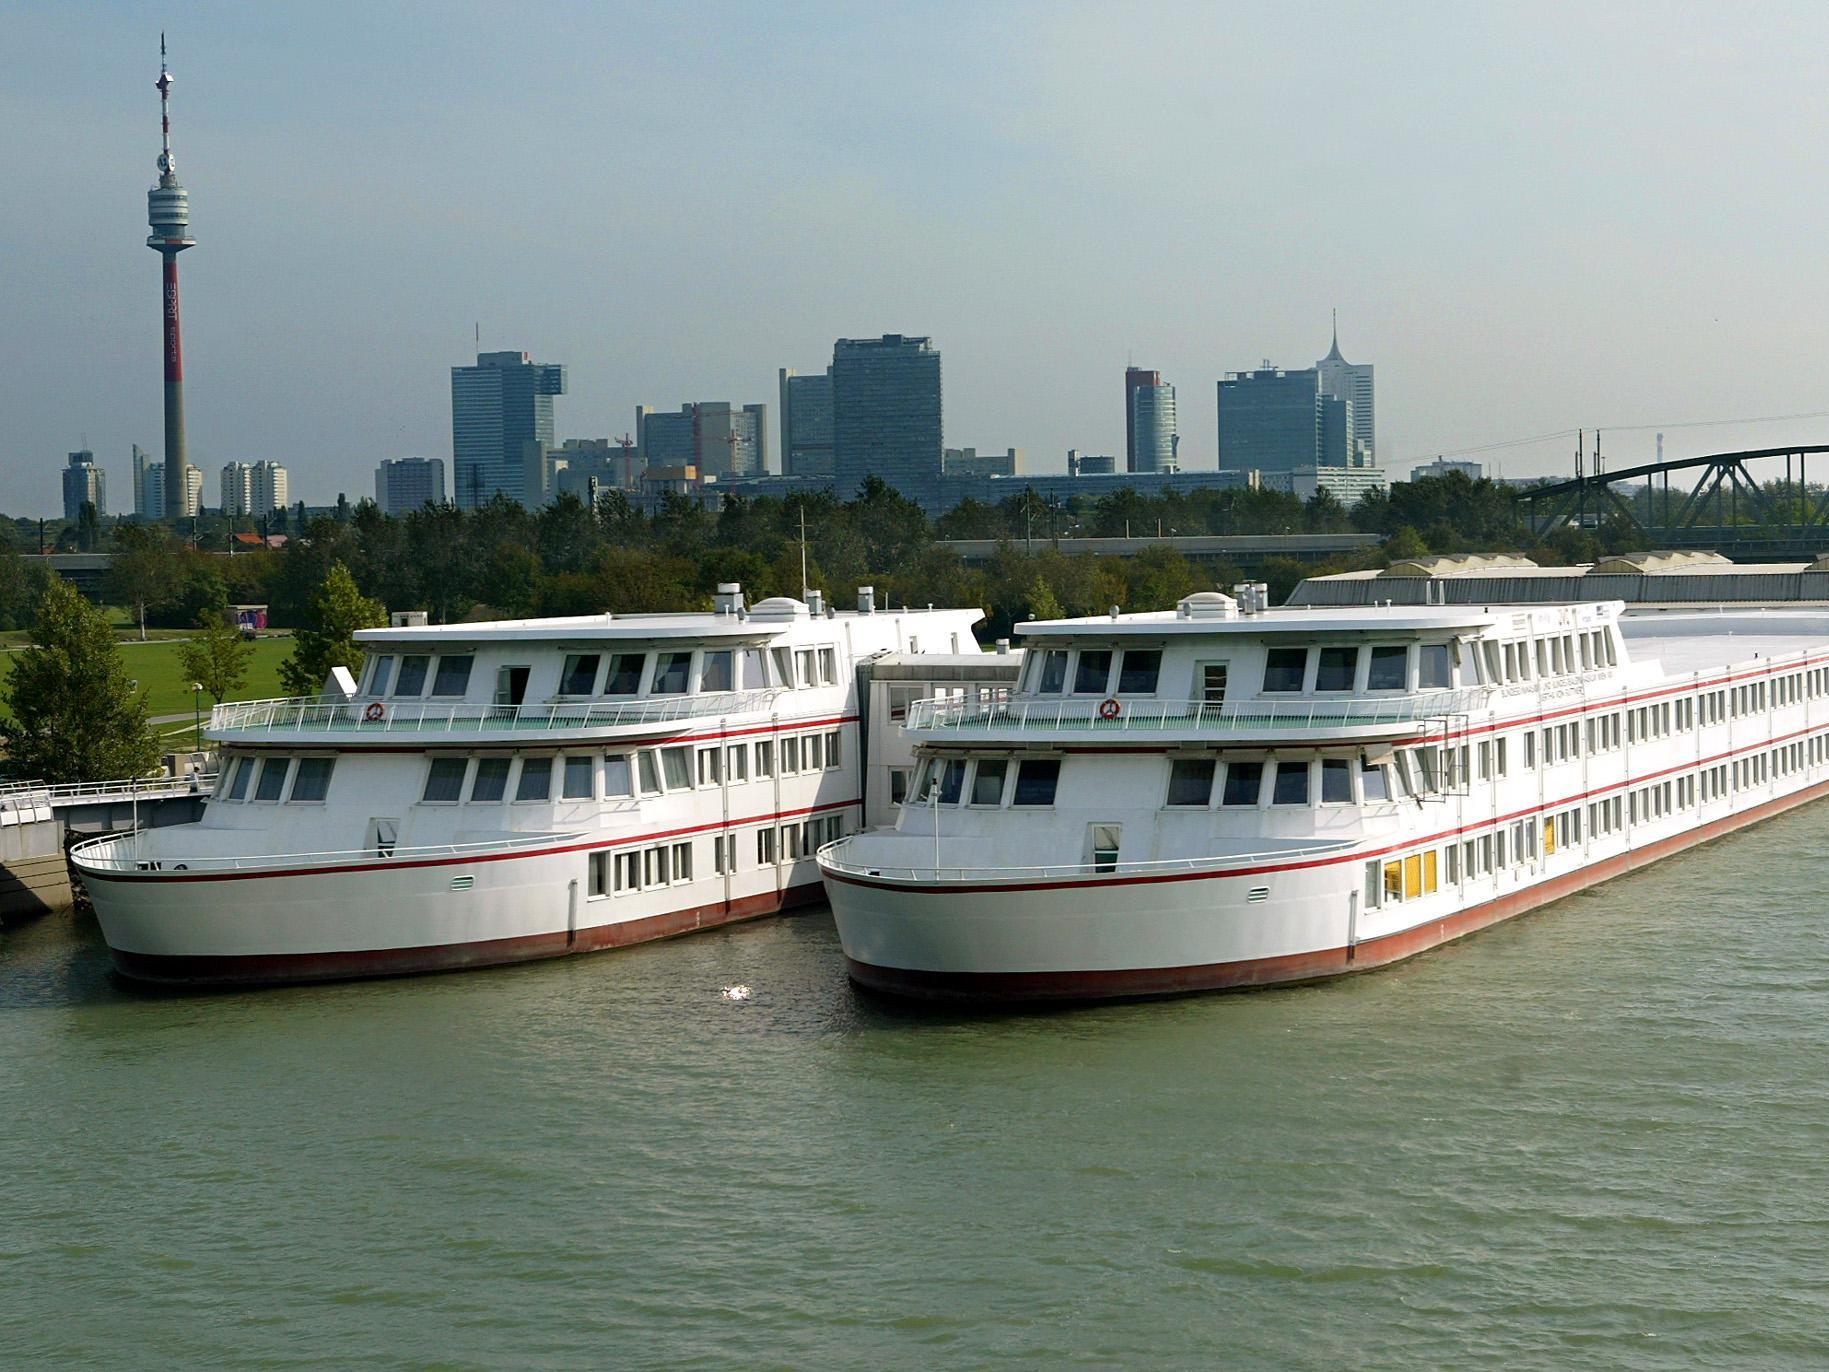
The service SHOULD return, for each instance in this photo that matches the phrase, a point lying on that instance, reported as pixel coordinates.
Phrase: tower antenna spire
(169, 217)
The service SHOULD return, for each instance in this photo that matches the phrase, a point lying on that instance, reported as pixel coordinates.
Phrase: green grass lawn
(168, 691)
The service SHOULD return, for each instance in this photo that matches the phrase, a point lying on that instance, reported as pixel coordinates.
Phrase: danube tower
(168, 210)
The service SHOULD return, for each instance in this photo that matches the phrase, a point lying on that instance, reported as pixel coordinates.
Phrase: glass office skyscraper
(886, 415)
(499, 407)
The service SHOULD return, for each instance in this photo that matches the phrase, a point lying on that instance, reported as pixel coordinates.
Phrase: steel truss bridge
(1726, 509)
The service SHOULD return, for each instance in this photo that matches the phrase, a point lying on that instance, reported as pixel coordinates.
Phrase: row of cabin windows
(1532, 659)
(987, 782)
(703, 671)
(1366, 667)
(1406, 878)
(1093, 672)
(276, 779)
(622, 775)
(630, 870)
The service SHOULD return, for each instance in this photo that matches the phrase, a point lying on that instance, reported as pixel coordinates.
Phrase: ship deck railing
(1082, 714)
(131, 853)
(158, 786)
(361, 717)
(831, 857)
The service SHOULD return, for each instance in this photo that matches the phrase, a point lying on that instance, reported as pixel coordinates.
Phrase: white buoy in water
(737, 992)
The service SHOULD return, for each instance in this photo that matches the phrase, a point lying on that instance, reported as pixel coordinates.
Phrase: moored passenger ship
(489, 793)
(1228, 795)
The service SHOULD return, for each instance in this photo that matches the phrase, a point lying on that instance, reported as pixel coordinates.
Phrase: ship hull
(1077, 941)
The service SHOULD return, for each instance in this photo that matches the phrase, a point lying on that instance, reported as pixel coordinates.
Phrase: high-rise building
(971, 462)
(84, 484)
(498, 408)
(144, 504)
(253, 488)
(886, 415)
(806, 424)
(237, 489)
(713, 435)
(169, 215)
(1150, 441)
(190, 505)
(1269, 420)
(1343, 380)
(406, 483)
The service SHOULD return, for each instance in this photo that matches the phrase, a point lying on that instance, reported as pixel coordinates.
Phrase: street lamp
(197, 714)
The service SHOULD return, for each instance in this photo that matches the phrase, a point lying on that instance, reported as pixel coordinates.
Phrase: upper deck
(596, 677)
(1213, 671)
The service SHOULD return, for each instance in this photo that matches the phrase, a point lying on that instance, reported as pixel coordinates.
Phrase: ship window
(444, 782)
(1053, 673)
(272, 783)
(790, 755)
(1283, 668)
(616, 778)
(750, 677)
(828, 666)
(313, 779)
(1291, 784)
(580, 674)
(1036, 779)
(1139, 671)
(1387, 670)
(1336, 781)
(1470, 662)
(536, 779)
(765, 847)
(812, 752)
(1491, 653)
(765, 758)
(1335, 670)
(898, 784)
(1093, 673)
(1191, 781)
(952, 781)
(1374, 885)
(1373, 783)
(1106, 839)
(736, 762)
(676, 768)
(600, 874)
(411, 681)
(987, 781)
(715, 671)
(377, 682)
(624, 676)
(682, 861)
(710, 766)
(1394, 880)
(650, 773)
(239, 779)
(1244, 783)
(576, 784)
(1432, 666)
(833, 762)
(490, 783)
(803, 666)
(453, 677)
(923, 781)
(671, 672)
(783, 659)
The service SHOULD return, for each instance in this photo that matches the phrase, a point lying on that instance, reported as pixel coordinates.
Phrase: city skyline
(1511, 272)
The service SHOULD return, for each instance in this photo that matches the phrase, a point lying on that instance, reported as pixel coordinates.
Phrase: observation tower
(169, 213)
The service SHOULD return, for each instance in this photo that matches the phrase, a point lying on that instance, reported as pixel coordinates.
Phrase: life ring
(1109, 708)
(376, 710)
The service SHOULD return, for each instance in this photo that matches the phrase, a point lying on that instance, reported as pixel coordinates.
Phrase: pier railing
(129, 853)
(364, 717)
(1090, 715)
(835, 857)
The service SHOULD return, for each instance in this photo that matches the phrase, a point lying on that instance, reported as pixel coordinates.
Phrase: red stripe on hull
(1142, 982)
(276, 968)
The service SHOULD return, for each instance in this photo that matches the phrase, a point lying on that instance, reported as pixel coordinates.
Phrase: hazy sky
(1530, 218)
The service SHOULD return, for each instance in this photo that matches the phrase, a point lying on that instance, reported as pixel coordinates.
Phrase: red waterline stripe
(289, 872)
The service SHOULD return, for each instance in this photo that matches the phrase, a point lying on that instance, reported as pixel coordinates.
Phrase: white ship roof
(1154, 624)
(617, 628)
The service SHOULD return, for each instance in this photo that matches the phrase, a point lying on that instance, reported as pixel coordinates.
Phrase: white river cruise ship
(490, 793)
(1228, 795)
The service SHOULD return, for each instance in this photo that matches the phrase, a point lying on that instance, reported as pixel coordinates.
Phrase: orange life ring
(375, 711)
(1109, 708)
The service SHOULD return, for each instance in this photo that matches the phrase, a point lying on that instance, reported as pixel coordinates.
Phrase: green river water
(1597, 1137)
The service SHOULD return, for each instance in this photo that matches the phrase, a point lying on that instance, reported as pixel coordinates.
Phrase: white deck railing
(127, 853)
(831, 857)
(314, 715)
(77, 792)
(1082, 713)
